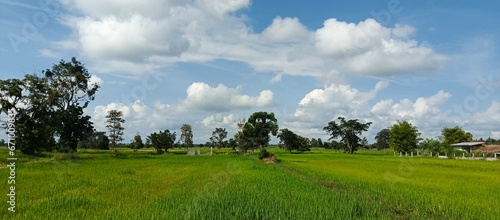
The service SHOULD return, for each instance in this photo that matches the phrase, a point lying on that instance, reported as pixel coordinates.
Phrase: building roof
(470, 144)
(489, 149)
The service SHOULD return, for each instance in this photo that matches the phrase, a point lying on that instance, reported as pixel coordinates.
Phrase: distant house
(468, 146)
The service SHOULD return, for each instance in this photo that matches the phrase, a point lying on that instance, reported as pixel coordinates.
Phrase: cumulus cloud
(203, 97)
(333, 101)
(128, 37)
(322, 105)
(369, 48)
(285, 30)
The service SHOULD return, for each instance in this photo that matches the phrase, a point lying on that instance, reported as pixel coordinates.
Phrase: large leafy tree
(382, 138)
(50, 105)
(218, 136)
(455, 135)
(70, 93)
(291, 141)
(187, 135)
(34, 116)
(115, 121)
(162, 140)
(257, 130)
(348, 131)
(404, 136)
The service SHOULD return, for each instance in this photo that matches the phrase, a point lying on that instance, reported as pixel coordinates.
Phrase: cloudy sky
(210, 63)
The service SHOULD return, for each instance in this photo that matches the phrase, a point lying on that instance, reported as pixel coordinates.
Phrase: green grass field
(321, 184)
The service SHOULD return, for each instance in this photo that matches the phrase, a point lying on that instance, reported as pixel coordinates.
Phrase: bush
(264, 154)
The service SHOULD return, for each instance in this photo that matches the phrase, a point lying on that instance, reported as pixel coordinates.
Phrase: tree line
(50, 116)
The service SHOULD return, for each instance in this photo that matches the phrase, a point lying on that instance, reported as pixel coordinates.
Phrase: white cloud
(48, 53)
(285, 30)
(133, 38)
(203, 97)
(335, 100)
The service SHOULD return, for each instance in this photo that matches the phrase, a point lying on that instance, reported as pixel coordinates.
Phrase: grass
(321, 184)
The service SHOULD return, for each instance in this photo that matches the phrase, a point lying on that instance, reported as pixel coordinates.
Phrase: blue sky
(210, 63)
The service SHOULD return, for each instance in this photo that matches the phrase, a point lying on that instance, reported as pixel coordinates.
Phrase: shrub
(264, 154)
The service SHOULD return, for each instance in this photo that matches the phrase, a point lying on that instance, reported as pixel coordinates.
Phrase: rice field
(321, 184)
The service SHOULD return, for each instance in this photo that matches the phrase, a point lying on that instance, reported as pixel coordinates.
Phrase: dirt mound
(269, 160)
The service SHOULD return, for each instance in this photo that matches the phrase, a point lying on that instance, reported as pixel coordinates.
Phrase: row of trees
(49, 116)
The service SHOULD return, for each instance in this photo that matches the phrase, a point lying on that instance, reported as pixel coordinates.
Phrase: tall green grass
(315, 185)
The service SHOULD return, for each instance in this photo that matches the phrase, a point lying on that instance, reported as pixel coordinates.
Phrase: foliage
(115, 121)
(70, 93)
(348, 131)
(291, 141)
(432, 145)
(264, 154)
(50, 106)
(383, 138)
(455, 135)
(218, 136)
(94, 140)
(256, 131)
(404, 137)
(187, 135)
(3, 142)
(161, 141)
(137, 144)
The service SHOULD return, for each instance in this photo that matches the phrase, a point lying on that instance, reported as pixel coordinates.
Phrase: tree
(314, 142)
(256, 131)
(115, 127)
(70, 93)
(291, 141)
(348, 131)
(50, 105)
(95, 140)
(404, 137)
(364, 143)
(3, 143)
(232, 143)
(382, 138)
(187, 135)
(218, 136)
(163, 140)
(29, 100)
(137, 144)
(455, 135)
(432, 145)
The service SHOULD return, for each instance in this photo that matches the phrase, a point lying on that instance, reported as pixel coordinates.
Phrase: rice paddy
(321, 184)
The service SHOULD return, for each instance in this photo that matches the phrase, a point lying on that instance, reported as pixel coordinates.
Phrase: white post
(406, 153)
(211, 151)
(394, 153)
(400, 154)
(412, 153)
(431, 153)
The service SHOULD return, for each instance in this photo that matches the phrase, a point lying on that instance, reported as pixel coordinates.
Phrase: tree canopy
(50, 105)
(115, 121)
(382, 138)
(255, 133)
(291, 141)
(348, 131)
(162, 140)
(404, 137)
(187, 135)
(455, 135)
